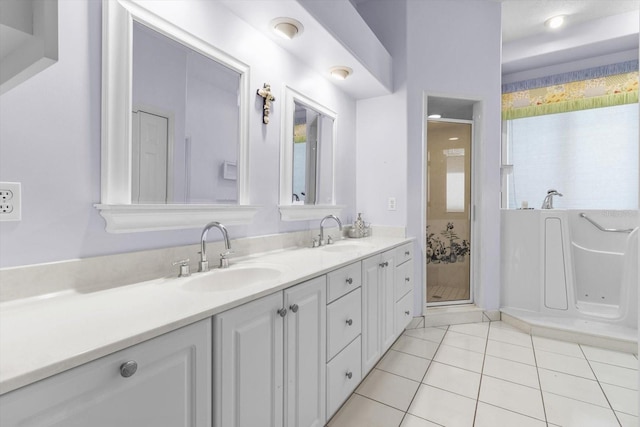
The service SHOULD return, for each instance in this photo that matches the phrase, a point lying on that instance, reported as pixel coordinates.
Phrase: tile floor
(493, 375)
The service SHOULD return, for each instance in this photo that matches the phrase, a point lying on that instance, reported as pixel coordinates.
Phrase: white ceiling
(525, 18)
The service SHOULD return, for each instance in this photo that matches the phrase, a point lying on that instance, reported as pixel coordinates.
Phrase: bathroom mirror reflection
(185, 123)
(307, 158)
(312, 156)
(174, 124)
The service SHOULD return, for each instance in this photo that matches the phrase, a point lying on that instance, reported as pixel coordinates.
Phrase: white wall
(50, 137)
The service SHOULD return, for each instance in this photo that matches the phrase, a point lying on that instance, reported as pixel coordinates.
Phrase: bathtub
(558, 270)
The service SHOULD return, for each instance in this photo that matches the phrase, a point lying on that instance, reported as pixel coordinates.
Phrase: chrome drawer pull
(349, 322)
(407, 279)
(407, 253)
(294, 308)
(129, 368)
(349, 280)
(282, 312)
(407, 312)
(349, 374)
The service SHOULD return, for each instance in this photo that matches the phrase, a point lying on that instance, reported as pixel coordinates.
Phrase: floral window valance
(605, 86)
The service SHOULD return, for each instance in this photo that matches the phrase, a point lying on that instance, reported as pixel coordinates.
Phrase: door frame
(472, 214)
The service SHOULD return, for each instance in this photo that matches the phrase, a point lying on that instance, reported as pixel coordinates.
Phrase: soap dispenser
(359, 226)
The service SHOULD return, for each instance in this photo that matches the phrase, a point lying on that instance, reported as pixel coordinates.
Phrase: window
(590, 156)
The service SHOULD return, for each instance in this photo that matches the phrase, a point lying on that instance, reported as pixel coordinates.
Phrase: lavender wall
(50, 137)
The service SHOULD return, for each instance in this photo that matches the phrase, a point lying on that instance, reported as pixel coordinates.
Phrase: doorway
(448, 212)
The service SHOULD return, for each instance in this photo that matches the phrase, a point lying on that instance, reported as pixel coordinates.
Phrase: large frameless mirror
(174, 126)
(308, 138)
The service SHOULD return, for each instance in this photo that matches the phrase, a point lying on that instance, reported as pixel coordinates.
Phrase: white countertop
(45, 335)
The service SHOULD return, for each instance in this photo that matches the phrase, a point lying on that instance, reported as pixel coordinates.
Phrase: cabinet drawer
(344, 322)
(343, 375)
(404, 312)
(343, 281)
(404, 253)
(404, 279)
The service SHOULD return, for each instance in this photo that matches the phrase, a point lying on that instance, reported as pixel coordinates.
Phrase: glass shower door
(448, 212)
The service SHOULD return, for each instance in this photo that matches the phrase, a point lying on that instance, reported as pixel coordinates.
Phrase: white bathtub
(559, 270)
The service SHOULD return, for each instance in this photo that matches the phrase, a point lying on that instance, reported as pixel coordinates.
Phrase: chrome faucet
(322, 242)
(548, 201)
(203, 265)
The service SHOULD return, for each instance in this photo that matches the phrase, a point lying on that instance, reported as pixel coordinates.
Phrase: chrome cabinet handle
(349, 280)
(349, 374)
(407, 312)
(129, 368)
(294, 308)
(349, 322)
(407, 279)
(407, 253)
(282, 312)
(384, 264)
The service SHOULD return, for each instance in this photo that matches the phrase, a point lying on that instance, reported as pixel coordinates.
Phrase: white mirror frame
(119, 213)
(289, 211)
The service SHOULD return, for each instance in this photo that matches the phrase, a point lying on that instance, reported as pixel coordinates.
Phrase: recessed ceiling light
(287, 28)
(554, 22)
(454, 138)
(434, 116)
(340, 73)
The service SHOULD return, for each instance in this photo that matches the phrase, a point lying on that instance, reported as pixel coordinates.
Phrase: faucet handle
(329, 240)
(227, 253)
(184, 267)
(314, 243)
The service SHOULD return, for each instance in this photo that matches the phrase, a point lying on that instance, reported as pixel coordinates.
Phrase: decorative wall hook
(265, 93)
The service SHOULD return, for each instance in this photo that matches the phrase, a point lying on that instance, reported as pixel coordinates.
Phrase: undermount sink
(346, 247)
(230, 279)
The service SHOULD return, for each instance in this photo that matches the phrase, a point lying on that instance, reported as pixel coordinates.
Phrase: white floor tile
(555, 346)
(359, 411)
(511, 352)
(509, 370)
(578, 388)
(461, 358)
(465, 341)
(413, 421)
(453, 379)
(503, 325)
(514, 397)
(389, 389)
(476, 329)
(562, 363)
(566, 412)
(510, 336)
(627, 420)
(442, 407)
(622, 399)
(492, 416)
(431, 334)
(405, 365)
(626, 360)
(416, 346)
(616, 375)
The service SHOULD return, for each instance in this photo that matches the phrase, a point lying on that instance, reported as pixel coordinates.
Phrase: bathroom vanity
(274, 350)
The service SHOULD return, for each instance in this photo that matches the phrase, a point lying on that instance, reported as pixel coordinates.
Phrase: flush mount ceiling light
(287, 28)
(555, 22)
(434, 116)
(340, 73)
(454, 138)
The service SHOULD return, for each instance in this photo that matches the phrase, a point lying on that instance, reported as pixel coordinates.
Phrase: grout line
(535, 360)
(484, 356)
(600, 385)
(424, 376)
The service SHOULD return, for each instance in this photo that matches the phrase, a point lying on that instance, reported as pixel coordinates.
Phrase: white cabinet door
(248, 365)
(171, 387)
(387, 299)
(371, 313)
(305, 350)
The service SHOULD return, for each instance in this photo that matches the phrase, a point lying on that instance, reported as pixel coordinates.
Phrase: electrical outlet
(392, 204)
(10, 201)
